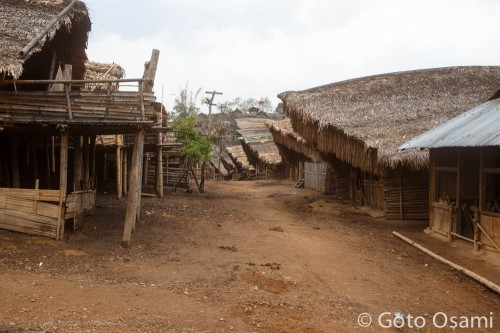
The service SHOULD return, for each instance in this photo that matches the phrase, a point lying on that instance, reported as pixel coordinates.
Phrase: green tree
(186, 102)
(197, 148)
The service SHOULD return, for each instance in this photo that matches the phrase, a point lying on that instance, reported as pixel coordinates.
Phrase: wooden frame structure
(357, 125)
(73, 119)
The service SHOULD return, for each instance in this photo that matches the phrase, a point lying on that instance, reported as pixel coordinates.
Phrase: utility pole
(210, 103)
(204, 165)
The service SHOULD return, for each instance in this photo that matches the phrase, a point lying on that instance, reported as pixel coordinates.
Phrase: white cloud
(260, 48)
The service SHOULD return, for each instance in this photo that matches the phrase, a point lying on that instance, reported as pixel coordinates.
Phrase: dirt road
(245, 257)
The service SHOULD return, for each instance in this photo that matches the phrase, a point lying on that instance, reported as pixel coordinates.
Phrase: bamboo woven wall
(30, 211)
(406, 195)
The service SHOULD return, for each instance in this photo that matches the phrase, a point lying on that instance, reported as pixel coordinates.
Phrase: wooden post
(476, 230)
(482, 188)
(15, 161)
(459, 190)
(63, 183)
(139, 190)
(47, 161)
(119, 175)
(77, 158)
(145, 169)
(86, 163)
(432, 187)
(125, 171)
(159, 171)
(92, 177)
(34, 160)
(135, 181)
(451, 209)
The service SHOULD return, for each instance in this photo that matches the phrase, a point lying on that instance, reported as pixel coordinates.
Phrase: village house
(357, 125)
(50, 117)
(464, 175)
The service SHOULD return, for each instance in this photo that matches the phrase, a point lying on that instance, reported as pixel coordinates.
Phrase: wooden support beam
(86, 163)
(145, 170)
(92, 178)
(47, 162)
(34, 160)
(125, 171)
(15, 161)
(119, 188)
(63, 183)
(139, 190)
(135, 181)
(77, 158)
(159, 171)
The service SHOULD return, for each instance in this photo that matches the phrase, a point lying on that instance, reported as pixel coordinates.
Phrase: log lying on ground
(493, 286)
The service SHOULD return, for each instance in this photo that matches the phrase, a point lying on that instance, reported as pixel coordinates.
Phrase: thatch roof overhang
(363, 121)
(21, 21)
(239, 157)
(284, 134)
(478, 127)
(264, 151)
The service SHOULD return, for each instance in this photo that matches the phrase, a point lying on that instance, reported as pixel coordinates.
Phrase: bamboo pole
(119, 169)
(92, 177)
(15, 161)
(77, 158)
(159, 171)
(125, 171)
(86, 163)
(135, 180)
(459, 268)
(34, 160)
(63, 183)
(119, 175)
(139, 188)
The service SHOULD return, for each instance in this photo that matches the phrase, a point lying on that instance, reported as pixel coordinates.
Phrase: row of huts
(356, 128)
(59, 116)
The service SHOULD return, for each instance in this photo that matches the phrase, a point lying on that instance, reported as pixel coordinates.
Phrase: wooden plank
(31, 194)
(28, 223)
(28, 206)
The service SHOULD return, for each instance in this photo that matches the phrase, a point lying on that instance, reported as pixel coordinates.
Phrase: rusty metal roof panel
(475, 128)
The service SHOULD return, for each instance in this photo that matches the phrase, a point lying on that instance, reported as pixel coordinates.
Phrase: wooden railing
(72, 106)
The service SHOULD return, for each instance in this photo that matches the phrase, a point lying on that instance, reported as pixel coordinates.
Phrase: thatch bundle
(21, 21)
(284, 134)
(264, 151)
(363, 121)
(101, 71)
(239, 157)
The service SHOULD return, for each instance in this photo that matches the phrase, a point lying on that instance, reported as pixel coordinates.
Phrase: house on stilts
(464, 175)
(49, 120)
(357, 125)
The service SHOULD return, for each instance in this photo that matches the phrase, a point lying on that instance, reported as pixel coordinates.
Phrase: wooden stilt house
(464, 175)
(357, 125)
(49, 122)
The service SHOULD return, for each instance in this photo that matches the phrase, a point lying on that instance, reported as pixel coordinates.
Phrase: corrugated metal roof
(475, 128)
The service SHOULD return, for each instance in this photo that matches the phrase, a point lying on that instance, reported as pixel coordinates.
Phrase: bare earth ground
(245, 257)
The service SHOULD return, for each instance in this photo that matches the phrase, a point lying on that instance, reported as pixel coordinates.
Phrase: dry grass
(363, 121)
(20, 21)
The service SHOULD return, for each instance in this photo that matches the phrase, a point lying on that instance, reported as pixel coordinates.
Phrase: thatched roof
(284, 134)
(363, 121)
(478, 127)
(264, 150)
(22, 20)
(101, 71)
(239, 157)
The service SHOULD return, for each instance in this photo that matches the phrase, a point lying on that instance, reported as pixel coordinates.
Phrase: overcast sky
(256, 48)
